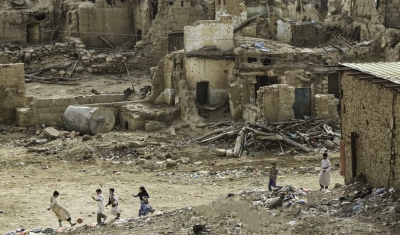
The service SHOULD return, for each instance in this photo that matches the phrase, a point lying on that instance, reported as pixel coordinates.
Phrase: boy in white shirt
(100, 204)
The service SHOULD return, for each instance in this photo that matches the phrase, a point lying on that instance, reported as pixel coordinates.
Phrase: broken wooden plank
(239, 143)
(73, 69)
(105, 40)
(220, 136)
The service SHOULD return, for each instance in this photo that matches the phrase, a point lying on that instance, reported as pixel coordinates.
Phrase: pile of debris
(284, 196)
(311, 134)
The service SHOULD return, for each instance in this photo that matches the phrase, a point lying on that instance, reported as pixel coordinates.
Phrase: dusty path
(29, 180)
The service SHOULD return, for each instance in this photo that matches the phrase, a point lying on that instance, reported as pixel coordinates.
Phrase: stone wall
(325, 107)
(276, 102)
(370, 19)
(12, 91)
(372, 112)
(235, 8)
(307, 35)
(172, 17)
(115, 23)
(210, 33)
(392, 14)
(50, 111)
(25, 26)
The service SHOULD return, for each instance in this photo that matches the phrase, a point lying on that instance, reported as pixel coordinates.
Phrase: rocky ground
(188, 183)
(192, 189)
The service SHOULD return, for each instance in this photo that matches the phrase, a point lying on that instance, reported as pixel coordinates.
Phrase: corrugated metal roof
(386, 70)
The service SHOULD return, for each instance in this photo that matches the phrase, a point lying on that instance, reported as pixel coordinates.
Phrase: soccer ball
(79, 220)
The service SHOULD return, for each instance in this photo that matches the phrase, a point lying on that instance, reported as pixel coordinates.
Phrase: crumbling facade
(370, 114)
(12, 91)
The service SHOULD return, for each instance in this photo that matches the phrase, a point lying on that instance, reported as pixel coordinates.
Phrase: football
(79, 220)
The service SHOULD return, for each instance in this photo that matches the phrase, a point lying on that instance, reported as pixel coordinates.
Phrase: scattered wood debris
(301, 135)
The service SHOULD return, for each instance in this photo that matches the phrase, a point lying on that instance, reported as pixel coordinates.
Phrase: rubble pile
(73, 49)
(307, 135)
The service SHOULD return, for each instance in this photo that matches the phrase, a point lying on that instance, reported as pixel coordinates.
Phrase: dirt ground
(77, 168)
(30, 178)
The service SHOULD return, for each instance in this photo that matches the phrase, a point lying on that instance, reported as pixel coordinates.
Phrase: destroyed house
(370, 122)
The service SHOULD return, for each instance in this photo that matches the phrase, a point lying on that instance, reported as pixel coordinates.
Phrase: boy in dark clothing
(273, 173)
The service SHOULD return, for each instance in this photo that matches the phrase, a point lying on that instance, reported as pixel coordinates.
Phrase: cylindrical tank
(89, 120)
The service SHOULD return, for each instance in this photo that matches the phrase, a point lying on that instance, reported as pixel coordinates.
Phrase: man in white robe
(113, 201)
(324, 175)
(100, 204)
(61, 213)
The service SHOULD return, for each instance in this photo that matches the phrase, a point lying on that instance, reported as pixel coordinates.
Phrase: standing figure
(100, 204)
(60, 212)
(145, 207)
(113, 201)
(273, 173)
(324, 175)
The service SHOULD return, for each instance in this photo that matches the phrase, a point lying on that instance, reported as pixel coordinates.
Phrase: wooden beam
(366, 78)
(377, 80)
(355, 73)
(345, 69)
(334, 66)
(392, 86)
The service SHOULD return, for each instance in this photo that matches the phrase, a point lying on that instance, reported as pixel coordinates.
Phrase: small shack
(370, 120)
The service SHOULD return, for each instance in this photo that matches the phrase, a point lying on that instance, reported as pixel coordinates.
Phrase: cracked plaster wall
(12, 91)
(374, 119)
(216, 72)
(210, 33)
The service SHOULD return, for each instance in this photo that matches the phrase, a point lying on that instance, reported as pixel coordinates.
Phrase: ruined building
(272, 60)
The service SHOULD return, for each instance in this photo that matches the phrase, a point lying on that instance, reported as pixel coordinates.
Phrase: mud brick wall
(51, 111)
(325, 107)
(372, 112)
(276, 102)
(307, 35)
(12, 91)
(393, 14)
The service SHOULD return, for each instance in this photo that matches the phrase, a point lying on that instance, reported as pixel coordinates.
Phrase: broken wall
(276, 102)
(325, 107)
(372, 112)
(298, 10)
(172, 17)
(392, 14)
(25, 26)
(99, 19)
(235, 8)
(209, 33)
(142, 16)
(50, 111)
(12, 91)
(369, 17)
(214, 71)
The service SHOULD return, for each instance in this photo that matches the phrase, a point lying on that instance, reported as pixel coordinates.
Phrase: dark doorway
(356, 33)
(302, 103)
(33, 33)
(264, 81)
(202, 92)
(334, 87)
(154, 6)
(126, 125)
(353, 139)
(139, 35)
(175, 42)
